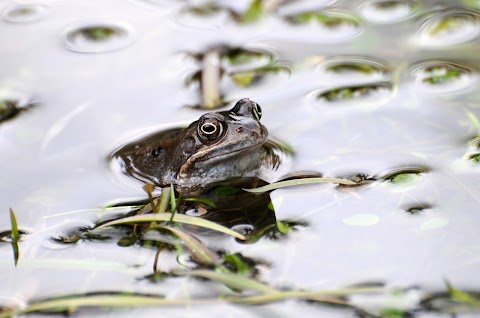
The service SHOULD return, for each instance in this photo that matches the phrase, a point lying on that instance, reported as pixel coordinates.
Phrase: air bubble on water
(352, 69)
(24, 13)
(442, 76)
(406, 176)
(97, 36)
(387, 11)
(374, 94)
(448, 27)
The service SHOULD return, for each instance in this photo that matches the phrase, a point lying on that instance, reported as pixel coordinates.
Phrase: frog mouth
(198, 157)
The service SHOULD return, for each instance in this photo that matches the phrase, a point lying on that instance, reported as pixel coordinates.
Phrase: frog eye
(257, 111)
(210, 129)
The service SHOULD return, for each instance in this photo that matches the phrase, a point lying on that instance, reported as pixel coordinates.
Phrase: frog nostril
(239, 130)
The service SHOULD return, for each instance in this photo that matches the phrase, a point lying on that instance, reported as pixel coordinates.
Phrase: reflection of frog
(229, 146)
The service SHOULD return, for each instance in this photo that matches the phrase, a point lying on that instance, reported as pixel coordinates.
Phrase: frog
(227, 147)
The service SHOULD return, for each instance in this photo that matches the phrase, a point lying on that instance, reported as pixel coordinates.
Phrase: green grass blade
(231, 280)
(75, 302)
(200, 253)
(180, 218)
(295, 182)
(173, 204)
(14, 232)
(72, 302)
(15, 235)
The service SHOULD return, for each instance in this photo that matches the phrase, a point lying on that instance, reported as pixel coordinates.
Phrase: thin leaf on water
(180, 218)
(200, 253)
(296, 182)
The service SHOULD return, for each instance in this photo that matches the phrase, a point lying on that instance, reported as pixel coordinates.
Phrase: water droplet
(449, 27)
(97, 37)
(377, 93)
(387, 11)
(24, 13)
(442, 76)
(405, 176)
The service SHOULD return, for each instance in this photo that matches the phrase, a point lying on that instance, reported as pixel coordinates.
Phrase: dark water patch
(418, 208)
(405, 176)
(6, 235)
(97, 36)
(449, 27)
(358, 95)
(25, 13)
(442, 76)
(388, 11)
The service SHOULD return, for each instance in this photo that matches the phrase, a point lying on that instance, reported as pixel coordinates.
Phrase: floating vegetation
(449, 27)
(97, 37)
(250, 291)
(361, 66)
(243, 66)
(388, 11)
(10, 108)
(79, 234)
(441, 76)
(329, 20)
(475, 158)
(253, 13)
(377, 93)
(24, 13)
(405, 176)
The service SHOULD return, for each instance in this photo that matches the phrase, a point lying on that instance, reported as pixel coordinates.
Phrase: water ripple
(94, 36)
(448, 27)
(24, 13)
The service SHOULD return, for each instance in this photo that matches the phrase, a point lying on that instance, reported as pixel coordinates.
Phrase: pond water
(373, 89)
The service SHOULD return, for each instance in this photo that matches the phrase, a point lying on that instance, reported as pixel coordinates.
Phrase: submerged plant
(243, 66)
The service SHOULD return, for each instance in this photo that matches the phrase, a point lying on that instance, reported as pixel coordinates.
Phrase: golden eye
(210, 129)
